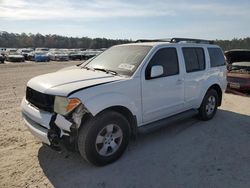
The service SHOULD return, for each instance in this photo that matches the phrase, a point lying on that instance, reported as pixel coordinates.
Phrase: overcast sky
(131, 19)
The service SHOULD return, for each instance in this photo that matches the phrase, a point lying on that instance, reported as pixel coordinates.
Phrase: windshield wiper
(106, 70)
(87, 68)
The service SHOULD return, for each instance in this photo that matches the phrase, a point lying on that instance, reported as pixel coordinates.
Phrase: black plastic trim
(165, 121)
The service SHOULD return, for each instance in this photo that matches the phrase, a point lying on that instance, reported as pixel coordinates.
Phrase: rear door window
(194, 59)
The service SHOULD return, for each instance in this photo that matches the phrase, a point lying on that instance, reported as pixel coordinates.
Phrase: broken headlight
(64, 105)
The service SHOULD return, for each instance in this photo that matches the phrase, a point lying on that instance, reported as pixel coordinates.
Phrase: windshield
(121, 59)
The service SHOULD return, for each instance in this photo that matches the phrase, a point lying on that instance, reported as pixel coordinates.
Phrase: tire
(107, 125)
(209, 105)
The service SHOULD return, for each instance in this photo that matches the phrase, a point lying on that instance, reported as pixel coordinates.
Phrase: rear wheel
(104, 139)
(209, 105)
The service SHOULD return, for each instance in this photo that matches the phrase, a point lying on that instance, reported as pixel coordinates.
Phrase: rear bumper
(240, 82)
(239, 86)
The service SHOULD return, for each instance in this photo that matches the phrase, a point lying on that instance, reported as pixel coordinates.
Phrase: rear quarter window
(216, 57)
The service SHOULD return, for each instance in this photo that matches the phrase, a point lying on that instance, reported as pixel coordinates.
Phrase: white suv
(97, 106)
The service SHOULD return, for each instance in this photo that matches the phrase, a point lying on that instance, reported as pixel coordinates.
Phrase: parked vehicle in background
(42, 49)
(2, 55)
(10, 50)
(90, 53)
(25, 52)
(238, 75)
(31, 56)
(2, 51)
(14, 57)
(99, 105)
(2, 58)
(58, 56)
(75, 55)
(41, 56)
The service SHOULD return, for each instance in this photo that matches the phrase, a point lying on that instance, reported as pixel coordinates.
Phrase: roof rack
(178, 40)
(201, 41)
(153, 40)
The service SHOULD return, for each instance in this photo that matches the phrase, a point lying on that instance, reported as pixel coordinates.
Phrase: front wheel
(209, 105)
(104, 139)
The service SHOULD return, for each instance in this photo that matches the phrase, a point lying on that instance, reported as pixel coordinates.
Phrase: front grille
(40, 100)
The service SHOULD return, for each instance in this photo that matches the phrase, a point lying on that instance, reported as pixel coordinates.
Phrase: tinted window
(216, 57)
(166, 57)
(194, 59)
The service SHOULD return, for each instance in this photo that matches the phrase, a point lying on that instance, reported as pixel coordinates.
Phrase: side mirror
(156, 71)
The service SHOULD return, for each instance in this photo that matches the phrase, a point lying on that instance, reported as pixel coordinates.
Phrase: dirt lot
(186, 154)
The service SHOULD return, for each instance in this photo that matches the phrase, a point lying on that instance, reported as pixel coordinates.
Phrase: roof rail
(190, 40)
(177, 40)
(153, 40)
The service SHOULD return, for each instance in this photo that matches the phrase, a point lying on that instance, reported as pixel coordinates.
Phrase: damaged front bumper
(51, 128)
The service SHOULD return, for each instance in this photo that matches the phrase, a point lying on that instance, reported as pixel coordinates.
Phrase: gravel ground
(190, 153)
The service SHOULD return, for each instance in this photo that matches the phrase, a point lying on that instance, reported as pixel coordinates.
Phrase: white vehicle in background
(58, 55)
(97, 106)
(9, 50)
(12, 55)
(25, 52)
(42, 49)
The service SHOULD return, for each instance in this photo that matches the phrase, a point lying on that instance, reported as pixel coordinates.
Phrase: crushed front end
(52, 119)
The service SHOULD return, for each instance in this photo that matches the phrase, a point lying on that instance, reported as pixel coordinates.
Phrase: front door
(164, 95)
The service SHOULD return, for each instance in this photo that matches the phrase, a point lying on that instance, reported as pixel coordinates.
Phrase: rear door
(194, 60)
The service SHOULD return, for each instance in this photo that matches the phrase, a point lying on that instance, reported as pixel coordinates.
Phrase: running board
(164, 122)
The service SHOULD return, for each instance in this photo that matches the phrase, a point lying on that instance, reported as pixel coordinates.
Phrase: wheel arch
(218, 89)
(127, 114)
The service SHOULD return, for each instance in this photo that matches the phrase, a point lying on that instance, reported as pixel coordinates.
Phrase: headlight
(63, 105)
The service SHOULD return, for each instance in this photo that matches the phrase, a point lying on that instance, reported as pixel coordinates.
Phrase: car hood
(237, 56)
(66, 81)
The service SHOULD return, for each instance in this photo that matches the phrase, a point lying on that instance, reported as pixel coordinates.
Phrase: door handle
(180, 81)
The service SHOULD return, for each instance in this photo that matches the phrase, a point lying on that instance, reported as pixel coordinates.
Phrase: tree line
(241, 43)
(23, 40)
